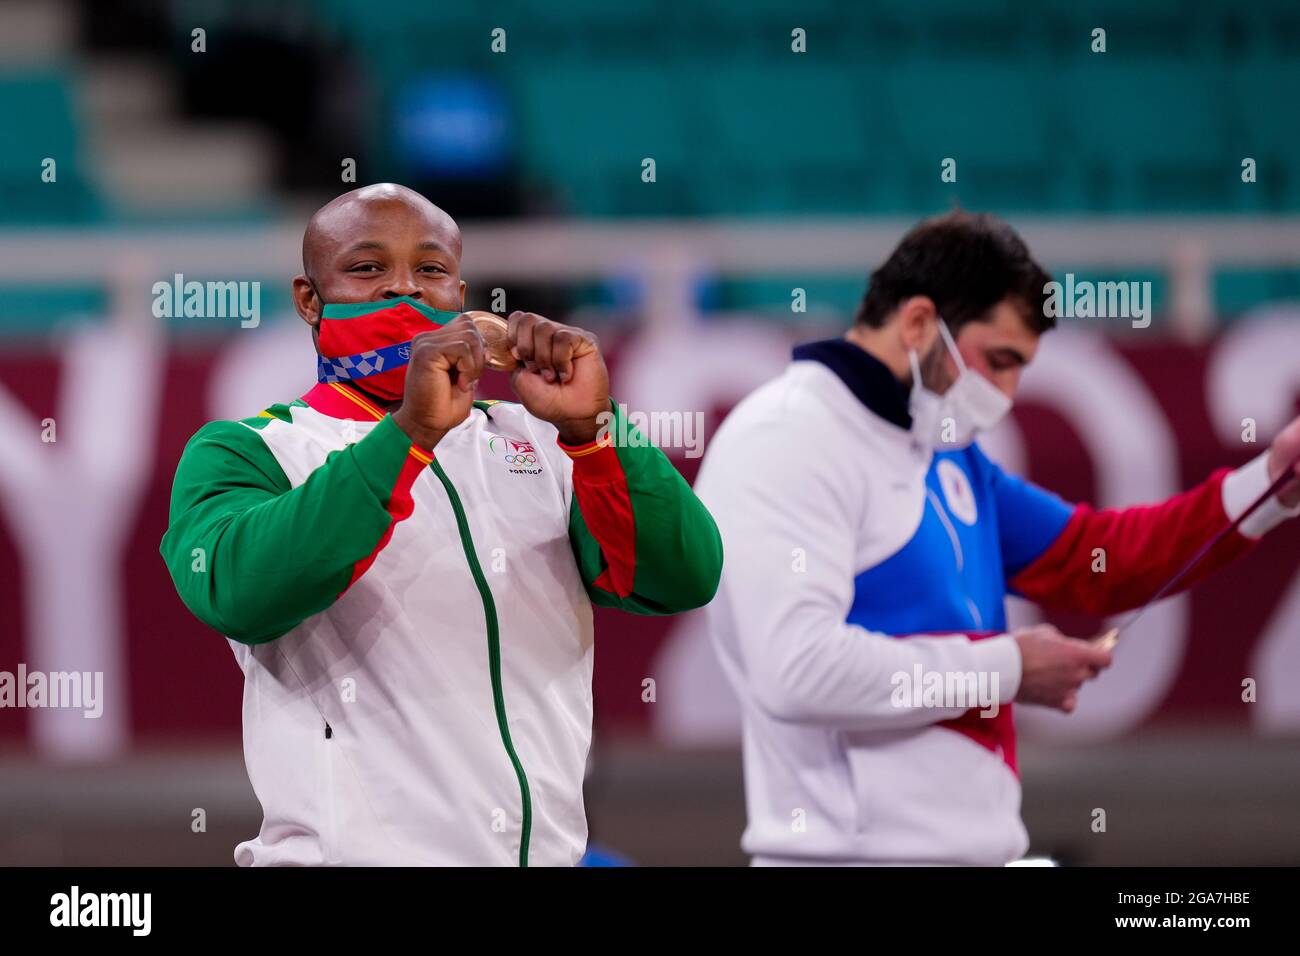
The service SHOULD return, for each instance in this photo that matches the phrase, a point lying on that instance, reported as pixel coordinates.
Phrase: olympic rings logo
(524, 459)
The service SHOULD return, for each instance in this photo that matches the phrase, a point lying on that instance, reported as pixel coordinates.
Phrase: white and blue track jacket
(855, 554)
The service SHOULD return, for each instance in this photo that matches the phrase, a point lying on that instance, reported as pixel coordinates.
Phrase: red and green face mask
(372, 340)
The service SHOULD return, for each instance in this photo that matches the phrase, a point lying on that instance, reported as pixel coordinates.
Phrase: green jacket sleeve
(642, 540)
(253, 557)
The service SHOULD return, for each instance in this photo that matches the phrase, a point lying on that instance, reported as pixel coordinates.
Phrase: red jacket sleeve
(1139, 548)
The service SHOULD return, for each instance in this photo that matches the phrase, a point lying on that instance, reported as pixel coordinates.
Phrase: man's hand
(1053, 666)
(1284, 452)
(563, 379)
(444, 368)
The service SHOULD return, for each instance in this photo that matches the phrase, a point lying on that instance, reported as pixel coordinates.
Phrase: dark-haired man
(861, 615)
(406, 574)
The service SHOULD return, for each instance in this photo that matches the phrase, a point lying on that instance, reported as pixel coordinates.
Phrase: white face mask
(971, 405)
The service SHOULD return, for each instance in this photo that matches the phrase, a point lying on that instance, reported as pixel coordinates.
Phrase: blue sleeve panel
(979, 527)
(1029, 517)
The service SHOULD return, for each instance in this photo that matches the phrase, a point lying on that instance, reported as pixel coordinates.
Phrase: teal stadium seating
(738, 125)
(37, 121)
(1009, 88)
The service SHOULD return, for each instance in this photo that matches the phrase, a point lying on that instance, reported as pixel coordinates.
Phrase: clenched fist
(445, 366)
(562, 378)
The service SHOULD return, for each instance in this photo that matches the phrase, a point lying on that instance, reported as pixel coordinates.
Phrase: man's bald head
(344, 216)
(379, 242)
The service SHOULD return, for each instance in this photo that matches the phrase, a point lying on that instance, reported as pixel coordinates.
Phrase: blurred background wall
(201, 154)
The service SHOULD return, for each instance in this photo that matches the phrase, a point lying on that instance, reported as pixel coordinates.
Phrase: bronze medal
(1108, 640)
(496, 343)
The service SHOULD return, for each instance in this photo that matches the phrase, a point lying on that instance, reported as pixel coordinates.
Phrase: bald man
(406, 574)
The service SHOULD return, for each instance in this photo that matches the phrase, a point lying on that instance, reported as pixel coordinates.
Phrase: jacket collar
(865, 376)
(339, 401)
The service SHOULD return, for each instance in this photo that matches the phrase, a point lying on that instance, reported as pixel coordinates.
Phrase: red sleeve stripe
(582, 451)
(600, 486)
(399, 507)
(1144, 547)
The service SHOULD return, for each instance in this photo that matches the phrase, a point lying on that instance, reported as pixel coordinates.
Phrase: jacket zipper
(330, 843)
(494, 656)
